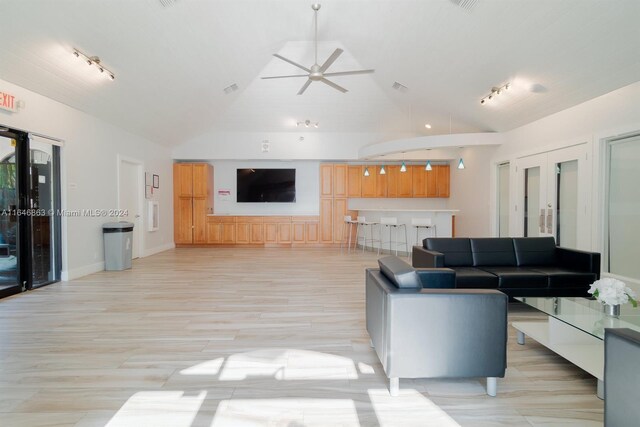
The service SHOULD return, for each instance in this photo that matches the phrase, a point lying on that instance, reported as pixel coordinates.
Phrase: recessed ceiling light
(428, 126)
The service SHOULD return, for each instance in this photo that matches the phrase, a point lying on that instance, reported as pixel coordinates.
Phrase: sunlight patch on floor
(210, 367)
(158, 409)
(286, 412)
(288, 364)
(409, 406)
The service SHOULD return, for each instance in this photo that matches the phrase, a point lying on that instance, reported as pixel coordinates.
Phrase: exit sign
(8, 102)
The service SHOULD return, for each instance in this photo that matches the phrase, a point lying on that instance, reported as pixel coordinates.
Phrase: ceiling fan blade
(291, 62)
(336, 53)
(304, 87)
(333, 85)
(348, 73)
(285, 77)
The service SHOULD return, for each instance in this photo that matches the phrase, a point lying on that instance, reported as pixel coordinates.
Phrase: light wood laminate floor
(246, 336)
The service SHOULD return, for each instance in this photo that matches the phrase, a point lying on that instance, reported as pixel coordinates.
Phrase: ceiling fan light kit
(318, 73)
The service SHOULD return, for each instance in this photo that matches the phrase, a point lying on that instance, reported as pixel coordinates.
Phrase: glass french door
(29, 203)
(554, 190)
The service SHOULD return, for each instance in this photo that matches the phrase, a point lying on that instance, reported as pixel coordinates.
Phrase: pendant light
(428, 166)
(403, 167)
(366, 171)
(460, 164)
(382, 170)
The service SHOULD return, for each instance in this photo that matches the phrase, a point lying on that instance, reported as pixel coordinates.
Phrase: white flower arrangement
(612, 292)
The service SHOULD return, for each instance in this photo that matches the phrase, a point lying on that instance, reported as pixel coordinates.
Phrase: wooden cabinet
(369, 182)
(304, 229)
(249, 230)
(243, 233)
(381, 183)
(192, 200)
(284, 232)
(228, 233)
(311, 232)
(257, 234)
(393, 175)
(432, 182)
(340, 180)
(214, 235)
(183, 179)
(202, 180)
(298, 230)
(199, 220)
(419, 181)
(405, 183)
(183, 220)
(339, 212)
(443, 180)
(221, 230)
(326, 180)
(271, 233)
(326, 220)
(354, 182)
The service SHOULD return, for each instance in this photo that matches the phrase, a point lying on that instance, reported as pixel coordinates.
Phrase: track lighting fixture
(308, 123)
(94, 60)
(495, 91)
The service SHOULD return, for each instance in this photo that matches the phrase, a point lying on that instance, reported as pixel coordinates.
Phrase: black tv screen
(266, 186)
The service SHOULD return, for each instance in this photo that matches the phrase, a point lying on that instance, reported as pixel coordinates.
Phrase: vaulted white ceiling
(172, 63)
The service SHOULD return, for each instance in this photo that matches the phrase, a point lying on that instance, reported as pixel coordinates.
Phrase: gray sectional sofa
(422, 328)
(520, 266)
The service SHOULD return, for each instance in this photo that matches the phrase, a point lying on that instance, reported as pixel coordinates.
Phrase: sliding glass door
(29, 202)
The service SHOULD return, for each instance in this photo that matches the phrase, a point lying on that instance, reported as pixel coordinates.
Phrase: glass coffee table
(574, 329)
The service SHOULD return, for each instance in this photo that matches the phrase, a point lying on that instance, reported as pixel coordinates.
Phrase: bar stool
(392, 223)
(425, 224)
(347, 226)
(363, 224)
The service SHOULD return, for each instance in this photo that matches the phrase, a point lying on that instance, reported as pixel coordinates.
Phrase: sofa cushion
(562, 278)
(518, 277)
(456, 251)
(490, 251)
(537, 251)
(437, 278)
(474, 278)
(399, 273)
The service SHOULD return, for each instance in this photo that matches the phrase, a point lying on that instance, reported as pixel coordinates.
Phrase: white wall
(592, 122)
(89, 177)
(317, 145)
(307, 188)
(471, 192)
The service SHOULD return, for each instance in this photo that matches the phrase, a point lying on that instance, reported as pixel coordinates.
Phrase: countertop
(407, 210)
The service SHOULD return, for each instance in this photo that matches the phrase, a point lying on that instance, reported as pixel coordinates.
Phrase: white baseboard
(75, 273)
(158, 249)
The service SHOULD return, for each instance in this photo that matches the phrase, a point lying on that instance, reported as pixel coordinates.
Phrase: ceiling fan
(317, 73)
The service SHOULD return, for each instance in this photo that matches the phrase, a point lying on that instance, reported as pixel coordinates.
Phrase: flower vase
(612, 310)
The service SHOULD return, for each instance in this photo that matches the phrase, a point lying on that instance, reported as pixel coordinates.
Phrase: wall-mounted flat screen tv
(266, 185)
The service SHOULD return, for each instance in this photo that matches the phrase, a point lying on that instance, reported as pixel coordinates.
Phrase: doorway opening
(131, 199)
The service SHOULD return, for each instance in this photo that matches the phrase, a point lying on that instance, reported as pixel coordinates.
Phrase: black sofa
(520, 266)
